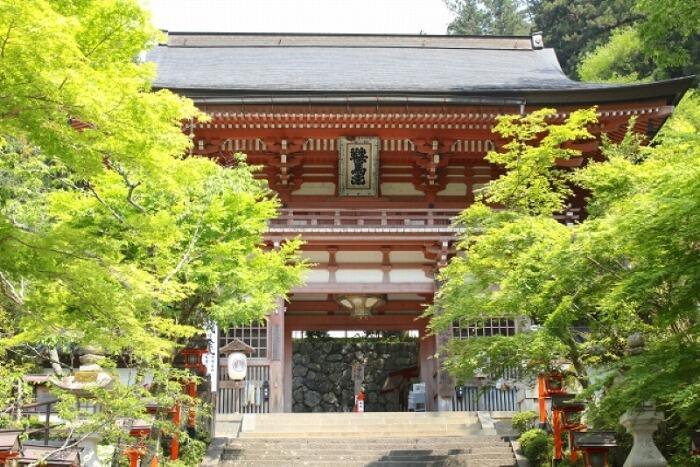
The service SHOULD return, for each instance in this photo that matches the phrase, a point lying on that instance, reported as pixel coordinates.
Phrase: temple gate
(374, 144)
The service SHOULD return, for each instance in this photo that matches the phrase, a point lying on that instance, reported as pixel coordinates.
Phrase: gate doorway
(322, 364)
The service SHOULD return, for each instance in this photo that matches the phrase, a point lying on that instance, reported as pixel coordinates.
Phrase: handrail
(376, 218)
(414, 218)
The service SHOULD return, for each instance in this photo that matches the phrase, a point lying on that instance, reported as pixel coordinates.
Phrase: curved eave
(672, 90)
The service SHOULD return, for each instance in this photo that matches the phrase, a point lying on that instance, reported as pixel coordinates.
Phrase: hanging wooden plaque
(358, 166)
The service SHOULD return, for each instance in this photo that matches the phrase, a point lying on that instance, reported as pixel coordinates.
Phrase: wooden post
(427, 368)
(276, 333)
(445, 383)
(133, 454)
(175, 446)
(556, 431)
(288, 354)
(191, 388)
(541, 399)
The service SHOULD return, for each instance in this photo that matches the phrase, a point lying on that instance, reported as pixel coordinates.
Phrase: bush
(523, 421)
(536, 446)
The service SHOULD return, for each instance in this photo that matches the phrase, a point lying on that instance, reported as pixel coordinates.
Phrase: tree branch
(130, 185)
(114, 213)
(6, 39)
(53, 250)
(187, 255)
(10, 291)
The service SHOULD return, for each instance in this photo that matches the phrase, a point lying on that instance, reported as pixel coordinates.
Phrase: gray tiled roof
(357, 69)
(208, 66)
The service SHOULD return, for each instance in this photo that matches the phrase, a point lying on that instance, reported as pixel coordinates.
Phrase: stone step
(487, 451)
(366, 439)
(346, 417)
(350, 420)
(354, 434)
(398, 445)
(365, 455)
(457, 449)
(425, 443)
(377, 463)
(408, 439)
(367, 460)
(364, 427)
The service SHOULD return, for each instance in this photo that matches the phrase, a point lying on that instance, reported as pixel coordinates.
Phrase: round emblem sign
(237, 365)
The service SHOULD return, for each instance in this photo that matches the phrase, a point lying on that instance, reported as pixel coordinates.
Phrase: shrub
(536, 446)
(523, 421)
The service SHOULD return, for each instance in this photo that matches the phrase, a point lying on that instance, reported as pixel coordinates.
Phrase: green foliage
(631, 267)
(192, 452)
(533, 184)
(536, 445)
(662, 42)
(621, 60)
(670, 35)
(575, 28)
(524, 421)
(488, 17)
(109, 236)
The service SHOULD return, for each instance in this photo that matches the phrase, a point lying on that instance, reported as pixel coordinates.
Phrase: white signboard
(211, 359)
(237, 364)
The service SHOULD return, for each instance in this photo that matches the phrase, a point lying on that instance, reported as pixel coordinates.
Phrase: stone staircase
(353, 439)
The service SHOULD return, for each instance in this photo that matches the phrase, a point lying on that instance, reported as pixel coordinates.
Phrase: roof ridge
(349, 40)
(321, 46)
(337, 34)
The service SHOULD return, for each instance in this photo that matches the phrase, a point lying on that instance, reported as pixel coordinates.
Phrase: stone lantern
(642, 424)
(88, 377)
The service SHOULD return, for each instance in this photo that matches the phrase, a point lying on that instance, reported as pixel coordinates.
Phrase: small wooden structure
(236, 345)
(595, 445)
(10, 445)
(54, 456)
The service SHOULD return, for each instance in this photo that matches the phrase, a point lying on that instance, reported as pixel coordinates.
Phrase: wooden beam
(366, 287)
(331, 305)
(302, 131)
(339, 322)
(375, 265)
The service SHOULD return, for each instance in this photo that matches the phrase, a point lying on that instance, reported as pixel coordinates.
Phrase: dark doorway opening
(322, 369)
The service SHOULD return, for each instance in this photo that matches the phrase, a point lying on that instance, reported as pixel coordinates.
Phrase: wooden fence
(233, 399)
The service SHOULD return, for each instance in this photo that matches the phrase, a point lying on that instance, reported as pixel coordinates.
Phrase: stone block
(311, 398)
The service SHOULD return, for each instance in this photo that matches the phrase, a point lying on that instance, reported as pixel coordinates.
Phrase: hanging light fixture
(360, 306)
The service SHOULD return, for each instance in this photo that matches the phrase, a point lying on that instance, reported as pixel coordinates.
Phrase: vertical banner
(212, 357)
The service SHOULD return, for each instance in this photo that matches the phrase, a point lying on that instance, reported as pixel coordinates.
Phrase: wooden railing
(35, 409)
(300, 219)
(430, 219)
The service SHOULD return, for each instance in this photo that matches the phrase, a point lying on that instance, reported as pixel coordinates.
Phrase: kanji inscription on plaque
(358, 166)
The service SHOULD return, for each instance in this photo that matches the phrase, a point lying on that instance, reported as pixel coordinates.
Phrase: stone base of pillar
(444, 404)
(89, 454)
(642, 425)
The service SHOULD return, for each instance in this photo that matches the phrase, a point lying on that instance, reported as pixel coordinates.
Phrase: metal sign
(237, 364)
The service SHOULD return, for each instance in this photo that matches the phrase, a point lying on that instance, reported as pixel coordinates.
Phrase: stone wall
(322, 372)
